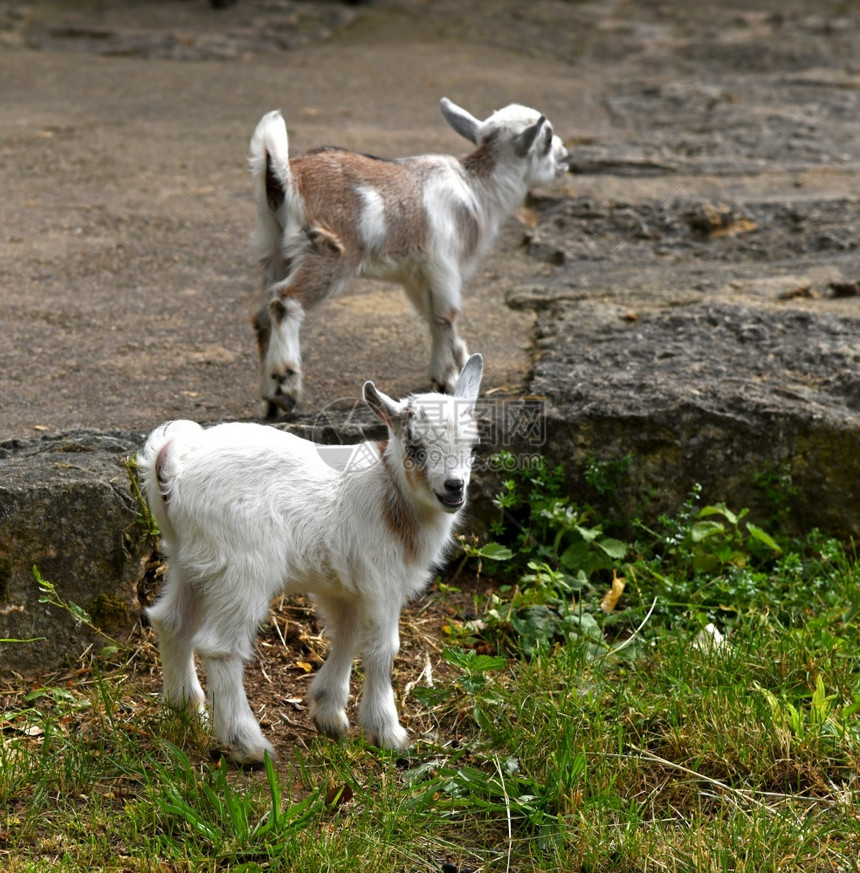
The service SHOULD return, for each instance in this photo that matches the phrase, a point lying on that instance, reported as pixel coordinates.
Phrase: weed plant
(683, 696)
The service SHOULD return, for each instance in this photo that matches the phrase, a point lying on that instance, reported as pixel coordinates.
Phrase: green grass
(557, 736)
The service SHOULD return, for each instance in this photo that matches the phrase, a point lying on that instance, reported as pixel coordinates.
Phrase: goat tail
(160, 467)
(278, 205)
(270, 155)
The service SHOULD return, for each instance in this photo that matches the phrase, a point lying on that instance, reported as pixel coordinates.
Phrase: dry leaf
(304, 665)
(337, 795)
(611, 598)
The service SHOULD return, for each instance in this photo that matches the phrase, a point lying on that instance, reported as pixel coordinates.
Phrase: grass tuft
(584, 695)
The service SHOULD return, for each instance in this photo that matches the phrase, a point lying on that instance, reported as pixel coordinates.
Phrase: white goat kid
(247, 511)
(330, 215)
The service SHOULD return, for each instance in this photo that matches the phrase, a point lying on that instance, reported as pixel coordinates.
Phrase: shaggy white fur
(247, 511)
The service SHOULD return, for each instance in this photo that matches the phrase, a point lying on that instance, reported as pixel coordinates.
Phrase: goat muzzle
(455, 494)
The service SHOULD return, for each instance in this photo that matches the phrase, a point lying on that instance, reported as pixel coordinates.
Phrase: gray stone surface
(711, 393)
(66, 507)
(718, 341)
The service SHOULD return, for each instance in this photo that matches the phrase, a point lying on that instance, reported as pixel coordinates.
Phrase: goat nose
(454, 485)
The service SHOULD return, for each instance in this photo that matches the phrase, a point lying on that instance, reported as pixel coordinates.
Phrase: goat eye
(548, 142)
(414, 451)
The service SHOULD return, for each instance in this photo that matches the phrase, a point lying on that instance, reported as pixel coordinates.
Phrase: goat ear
(469, 381)
(381, 404)
(525, 140)
(463, 122)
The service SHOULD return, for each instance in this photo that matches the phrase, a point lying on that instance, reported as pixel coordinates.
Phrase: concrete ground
(125, 205)
(125, 283)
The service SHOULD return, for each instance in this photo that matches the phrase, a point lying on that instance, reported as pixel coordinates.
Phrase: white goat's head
(433, 436)
(515, 132)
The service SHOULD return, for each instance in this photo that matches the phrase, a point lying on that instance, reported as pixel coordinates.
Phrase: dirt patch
(126, 207)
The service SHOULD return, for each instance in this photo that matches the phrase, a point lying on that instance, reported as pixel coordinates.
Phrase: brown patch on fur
(315, 279)
(416, 475)
(481, 163)
(274, 191)
(277, 310)
(401, 191)
(469, 230)
(160, 461)
(262, 323)
(323, 241)
(329, 183)
(326, 181)
(397, 513)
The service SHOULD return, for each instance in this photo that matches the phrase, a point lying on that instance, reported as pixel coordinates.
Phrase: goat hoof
(285, 402)
(388, 738)
(250, 754)
(278, 404)
(333, 726)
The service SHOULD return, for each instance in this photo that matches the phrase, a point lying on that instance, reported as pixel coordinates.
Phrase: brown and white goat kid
(247, 511)
(329, 215)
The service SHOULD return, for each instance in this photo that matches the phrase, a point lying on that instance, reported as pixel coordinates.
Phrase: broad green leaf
(588, 533)
(79, 614)
(471, 662)
(758, 534)
(586, 625)
(703, 529)
(495, 552)
(614, 548)
(574, 557)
